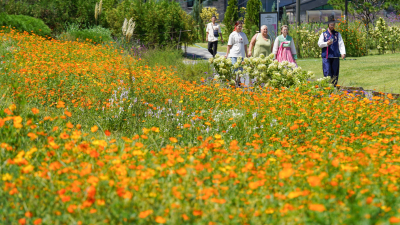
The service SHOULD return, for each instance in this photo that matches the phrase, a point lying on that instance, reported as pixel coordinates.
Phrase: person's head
(284, 30)
(238, 26)
(331, 26)
(264, 30)
(213, 19)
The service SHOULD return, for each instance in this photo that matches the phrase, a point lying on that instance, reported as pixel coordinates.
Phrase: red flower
(107, 132)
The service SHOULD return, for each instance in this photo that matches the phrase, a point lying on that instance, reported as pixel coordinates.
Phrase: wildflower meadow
(91, 135)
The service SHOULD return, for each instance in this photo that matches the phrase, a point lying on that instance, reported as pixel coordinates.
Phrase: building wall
(220, 5)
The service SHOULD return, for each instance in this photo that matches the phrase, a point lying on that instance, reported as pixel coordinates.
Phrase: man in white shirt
(213, 32)
(332, 45)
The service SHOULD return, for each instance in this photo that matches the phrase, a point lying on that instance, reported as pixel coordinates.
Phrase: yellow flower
(6, 177)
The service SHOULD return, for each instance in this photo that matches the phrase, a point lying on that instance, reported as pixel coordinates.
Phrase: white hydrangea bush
(262, 70)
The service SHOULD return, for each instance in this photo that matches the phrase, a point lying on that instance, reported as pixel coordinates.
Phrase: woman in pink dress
(284, 48)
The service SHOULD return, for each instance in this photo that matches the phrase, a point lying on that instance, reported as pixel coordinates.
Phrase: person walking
(284, 48)
(261, 42)
(213, 32)
(332, 45)
(237, 47)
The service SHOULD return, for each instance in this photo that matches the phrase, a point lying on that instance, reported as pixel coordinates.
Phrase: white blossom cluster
(261, 70)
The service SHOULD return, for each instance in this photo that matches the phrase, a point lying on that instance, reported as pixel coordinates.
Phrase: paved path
(199, 53)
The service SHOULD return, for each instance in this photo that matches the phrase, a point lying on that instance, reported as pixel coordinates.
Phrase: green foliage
(365, 9)
(96, 34)
(25, 23)
(230, 17)
(353, 37)
(54, 13)
(199, 23)
(263, 69)
(273, 8)
(252, 17)
(385, 37)
(285, 18)
(306, 38)
(157, 22)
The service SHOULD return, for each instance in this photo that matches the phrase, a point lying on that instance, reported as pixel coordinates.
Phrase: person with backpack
(213, 33)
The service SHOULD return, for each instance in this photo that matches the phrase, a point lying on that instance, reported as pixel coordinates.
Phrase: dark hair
(214, 17)
(238, 22)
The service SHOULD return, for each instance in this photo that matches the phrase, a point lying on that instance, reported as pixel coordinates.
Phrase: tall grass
(95, 34)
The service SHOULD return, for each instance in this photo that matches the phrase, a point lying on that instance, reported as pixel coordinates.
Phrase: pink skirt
(284, 54)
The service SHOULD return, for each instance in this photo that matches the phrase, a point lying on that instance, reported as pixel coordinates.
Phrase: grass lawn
(374, 72)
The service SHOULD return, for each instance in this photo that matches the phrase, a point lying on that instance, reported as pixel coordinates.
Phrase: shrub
(385, 37)
(230, 17)
(353, 37)
(198, 21)
(306, 38)
(263, 70)
(96, 34)
(252, 17)
(157, 22)
(207, 13)
(25, 23)
(54, 13)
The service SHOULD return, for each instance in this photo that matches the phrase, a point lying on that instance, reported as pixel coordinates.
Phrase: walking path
(199, 53)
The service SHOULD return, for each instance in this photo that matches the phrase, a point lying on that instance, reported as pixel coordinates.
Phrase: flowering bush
(306, 38)
(208, 12)
(261, 69)
(386, 38)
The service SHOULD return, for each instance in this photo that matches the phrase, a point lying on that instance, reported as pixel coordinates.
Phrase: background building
(306, 5)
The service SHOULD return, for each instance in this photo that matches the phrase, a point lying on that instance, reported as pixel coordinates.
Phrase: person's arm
(322, 43)
(272, 45)
(293, 49)
(252, 43)
(245, 50)
(207, 33)
(275, 49)
(227, 50)
(220, 33)
(230, 43)
(342, 48)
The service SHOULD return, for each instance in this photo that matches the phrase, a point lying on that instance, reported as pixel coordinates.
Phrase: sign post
(270, 19)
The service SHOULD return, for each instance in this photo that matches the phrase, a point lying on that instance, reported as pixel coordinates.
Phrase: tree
(285, 19)
(365, 10)
(252, 17)
(273, 8)
(231, 16)
(196, 14)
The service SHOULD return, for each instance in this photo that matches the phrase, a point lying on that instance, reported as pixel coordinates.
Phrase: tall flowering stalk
(98, 9)
(128, 28)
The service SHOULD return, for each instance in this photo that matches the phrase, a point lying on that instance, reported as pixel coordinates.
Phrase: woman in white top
(237, 47)
(237, 43)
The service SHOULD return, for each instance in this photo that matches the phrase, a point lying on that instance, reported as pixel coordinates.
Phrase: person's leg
(234, 60)
(335, 70)
(210, 44)
(326, 67)
(215, 45)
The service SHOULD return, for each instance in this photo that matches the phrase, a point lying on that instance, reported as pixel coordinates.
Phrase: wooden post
(298, 12)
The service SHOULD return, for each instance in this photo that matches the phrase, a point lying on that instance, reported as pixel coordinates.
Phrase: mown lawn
(374, 72)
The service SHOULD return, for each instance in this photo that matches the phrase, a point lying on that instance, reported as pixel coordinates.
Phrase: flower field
(90, 135)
